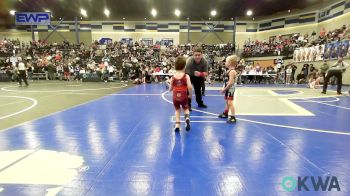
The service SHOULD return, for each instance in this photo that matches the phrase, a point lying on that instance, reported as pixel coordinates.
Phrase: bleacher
(39, 76)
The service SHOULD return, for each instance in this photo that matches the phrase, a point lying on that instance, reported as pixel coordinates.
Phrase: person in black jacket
(197, 69)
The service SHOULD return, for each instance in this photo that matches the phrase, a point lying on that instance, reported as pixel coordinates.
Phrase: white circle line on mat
(35, 102)
(269, 124)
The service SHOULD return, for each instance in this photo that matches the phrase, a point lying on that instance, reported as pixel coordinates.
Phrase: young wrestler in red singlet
(181, 86)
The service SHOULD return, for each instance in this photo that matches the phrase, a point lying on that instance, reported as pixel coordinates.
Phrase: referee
(22, 72)
(197, 69)
(335, 70)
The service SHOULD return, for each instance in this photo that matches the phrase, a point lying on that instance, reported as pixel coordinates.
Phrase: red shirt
(58, 57)
(179, 88)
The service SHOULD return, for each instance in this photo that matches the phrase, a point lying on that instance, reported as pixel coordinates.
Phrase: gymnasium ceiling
(140, 9)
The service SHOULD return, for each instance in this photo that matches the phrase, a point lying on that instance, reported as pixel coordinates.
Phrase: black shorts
(229, 95)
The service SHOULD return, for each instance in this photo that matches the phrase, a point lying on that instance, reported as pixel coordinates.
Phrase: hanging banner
(335, 50)
(309, 54)
(33, 18)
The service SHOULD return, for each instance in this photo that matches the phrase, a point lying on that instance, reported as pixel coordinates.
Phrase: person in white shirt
(289, 73)
(59, 70)
(111, 70)
(21, 71)
(307, 54)
(71, 71)
(278, 67)
(295, 55)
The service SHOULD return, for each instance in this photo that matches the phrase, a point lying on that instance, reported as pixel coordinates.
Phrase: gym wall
(136, 35)
(330, 17)
(23, 36)
(84, 37)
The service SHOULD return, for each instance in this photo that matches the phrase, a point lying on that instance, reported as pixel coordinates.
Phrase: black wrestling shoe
(231, 120)
(188, 126)
(223, 115)
(202, 105)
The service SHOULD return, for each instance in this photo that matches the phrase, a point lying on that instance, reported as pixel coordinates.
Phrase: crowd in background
(9, 47)
(136, 62)
(286, 44)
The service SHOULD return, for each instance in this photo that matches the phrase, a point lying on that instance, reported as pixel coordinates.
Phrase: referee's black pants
(338, 75)
(197, 85)
(22, 76)
(203, 87)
